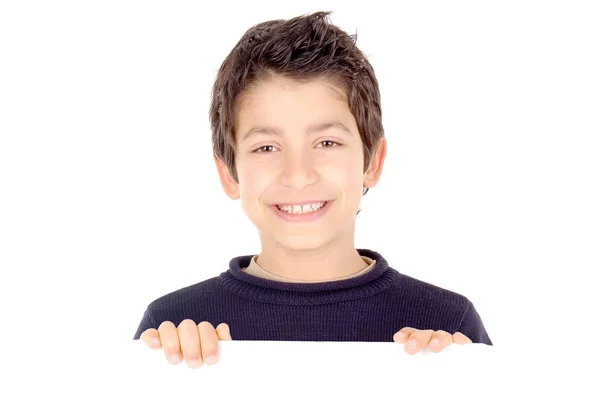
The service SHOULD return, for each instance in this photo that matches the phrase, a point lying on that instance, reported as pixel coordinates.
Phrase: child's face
(297, 166)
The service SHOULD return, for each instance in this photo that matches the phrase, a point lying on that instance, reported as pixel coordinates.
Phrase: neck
(336, 259)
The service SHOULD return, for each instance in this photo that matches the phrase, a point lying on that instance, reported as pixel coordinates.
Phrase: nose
(298, 170)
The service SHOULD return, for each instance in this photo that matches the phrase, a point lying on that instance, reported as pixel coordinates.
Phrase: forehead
(278, 98)
(274, 82)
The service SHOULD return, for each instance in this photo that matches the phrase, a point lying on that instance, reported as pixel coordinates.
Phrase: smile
(302, 214)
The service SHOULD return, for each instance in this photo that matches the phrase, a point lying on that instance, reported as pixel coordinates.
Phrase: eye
(330, 146)
(264, 146)
(260, 149)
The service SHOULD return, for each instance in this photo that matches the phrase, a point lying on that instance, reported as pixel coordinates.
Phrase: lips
(302, 217)
(306, 202)
(319, 201)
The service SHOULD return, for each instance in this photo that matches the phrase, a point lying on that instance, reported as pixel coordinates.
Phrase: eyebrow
(313, 128)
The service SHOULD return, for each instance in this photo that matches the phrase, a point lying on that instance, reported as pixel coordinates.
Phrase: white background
(110, 197)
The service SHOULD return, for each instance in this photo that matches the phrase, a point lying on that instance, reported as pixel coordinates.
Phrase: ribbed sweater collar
(301, 294)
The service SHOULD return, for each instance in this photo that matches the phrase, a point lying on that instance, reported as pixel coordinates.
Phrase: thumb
(223, 332)
(460, 338)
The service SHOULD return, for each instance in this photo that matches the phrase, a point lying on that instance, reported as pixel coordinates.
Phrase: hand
(428, 338)
(188, 338)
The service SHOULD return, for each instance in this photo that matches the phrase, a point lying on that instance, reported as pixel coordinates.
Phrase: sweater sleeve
(472, 326)
(146, 323)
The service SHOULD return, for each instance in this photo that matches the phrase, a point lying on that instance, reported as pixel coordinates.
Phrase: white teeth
(297, 209)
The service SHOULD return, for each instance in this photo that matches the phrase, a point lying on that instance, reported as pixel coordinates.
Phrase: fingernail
(211, 360)
(175, 358)
(400, 336)
(411, 344)
(194, 363)
(435, 341)
(155, 342)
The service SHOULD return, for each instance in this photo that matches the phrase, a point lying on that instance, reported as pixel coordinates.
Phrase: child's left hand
(416, 339)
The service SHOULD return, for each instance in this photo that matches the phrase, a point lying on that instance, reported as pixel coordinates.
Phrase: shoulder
(428, 290)
(190, 302)
(197, 293)
(439, 308)
(427, 296)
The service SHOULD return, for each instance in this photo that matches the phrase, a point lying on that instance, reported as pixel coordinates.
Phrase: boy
(297, 135)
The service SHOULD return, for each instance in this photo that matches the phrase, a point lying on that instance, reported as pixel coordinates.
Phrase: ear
(373, 173)
(232, 188)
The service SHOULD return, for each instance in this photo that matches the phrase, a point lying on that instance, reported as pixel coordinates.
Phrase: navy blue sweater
(370, 307)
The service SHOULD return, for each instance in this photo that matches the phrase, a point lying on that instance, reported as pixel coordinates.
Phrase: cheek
(353, 182)
(261, 175)
(347, 176)
(253, 183)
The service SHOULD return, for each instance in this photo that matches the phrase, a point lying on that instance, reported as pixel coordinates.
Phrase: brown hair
(302, 48)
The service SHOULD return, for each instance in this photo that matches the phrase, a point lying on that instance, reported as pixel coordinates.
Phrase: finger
(190, 343)
(440, 340)
(223, 332)
(403, 334)
(150, 337)
(170, 341)
(209, 342)
(417, 340)
(460, 338)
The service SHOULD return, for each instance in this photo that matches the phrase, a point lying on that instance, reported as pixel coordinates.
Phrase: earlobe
(229, 185)
(373, 174)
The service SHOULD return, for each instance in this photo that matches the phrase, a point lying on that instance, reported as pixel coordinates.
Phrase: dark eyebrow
(313, 128)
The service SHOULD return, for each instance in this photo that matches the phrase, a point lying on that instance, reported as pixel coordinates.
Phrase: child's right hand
(194, 341)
